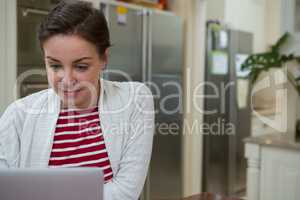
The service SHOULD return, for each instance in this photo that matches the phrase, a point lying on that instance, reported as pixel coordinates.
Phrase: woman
(82, 120)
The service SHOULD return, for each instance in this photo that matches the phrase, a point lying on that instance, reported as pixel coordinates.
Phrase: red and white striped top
(78, 142)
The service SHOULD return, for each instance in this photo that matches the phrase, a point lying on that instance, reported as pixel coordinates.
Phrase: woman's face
(73, 70)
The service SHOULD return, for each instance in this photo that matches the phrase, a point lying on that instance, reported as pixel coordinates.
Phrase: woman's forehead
(64, 46)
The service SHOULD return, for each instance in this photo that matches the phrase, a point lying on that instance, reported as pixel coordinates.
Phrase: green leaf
(254, 74)
(260, 62)
(280, 42)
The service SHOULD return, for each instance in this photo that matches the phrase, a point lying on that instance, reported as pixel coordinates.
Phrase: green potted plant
(272, 59)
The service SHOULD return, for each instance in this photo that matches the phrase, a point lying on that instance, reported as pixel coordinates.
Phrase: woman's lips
(70, 93)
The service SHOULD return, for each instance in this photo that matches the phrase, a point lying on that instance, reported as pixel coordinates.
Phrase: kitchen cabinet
(273, 168)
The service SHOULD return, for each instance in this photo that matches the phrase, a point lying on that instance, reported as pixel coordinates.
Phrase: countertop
(275, 140)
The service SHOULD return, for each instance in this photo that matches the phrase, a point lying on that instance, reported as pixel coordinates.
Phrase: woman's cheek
(53, 81)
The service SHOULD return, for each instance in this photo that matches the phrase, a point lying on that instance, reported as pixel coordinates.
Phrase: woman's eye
(55, 66)
(82, 67)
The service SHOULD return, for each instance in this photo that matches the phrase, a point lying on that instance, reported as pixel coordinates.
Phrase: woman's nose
(68, 79)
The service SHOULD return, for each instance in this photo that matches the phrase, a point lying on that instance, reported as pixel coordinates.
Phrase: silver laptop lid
(51, 184)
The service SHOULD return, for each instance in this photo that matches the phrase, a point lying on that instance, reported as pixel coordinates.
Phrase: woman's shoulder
(33, 101)
(128, 94)
(36, 97)
(18, 111)
(127, 88)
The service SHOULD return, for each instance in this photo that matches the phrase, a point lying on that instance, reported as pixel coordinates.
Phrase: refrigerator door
(216, 112)
(126, 54)
(165, 75)
(147, 46)
(37, 4)
(31, 70)
(241, 47)
(29, 51)
(224, 163)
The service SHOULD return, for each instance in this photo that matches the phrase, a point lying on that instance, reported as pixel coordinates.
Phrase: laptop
(51, 184)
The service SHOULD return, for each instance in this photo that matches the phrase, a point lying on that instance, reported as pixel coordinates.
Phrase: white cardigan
(127, 121)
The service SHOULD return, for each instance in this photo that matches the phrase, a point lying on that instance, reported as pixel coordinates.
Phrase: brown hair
(79, 18)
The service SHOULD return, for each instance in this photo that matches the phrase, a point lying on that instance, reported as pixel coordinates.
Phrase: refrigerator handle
(28, 11)
(149, 47)
(146, 64)
(144, 45)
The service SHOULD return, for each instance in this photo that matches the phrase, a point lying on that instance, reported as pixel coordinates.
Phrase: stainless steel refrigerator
(147, 47)
(227, 110)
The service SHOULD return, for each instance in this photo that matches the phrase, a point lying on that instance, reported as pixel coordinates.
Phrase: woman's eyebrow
(75, 61)
(80, 59)
(49, 57)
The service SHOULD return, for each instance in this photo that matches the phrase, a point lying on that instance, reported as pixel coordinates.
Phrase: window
(297, 16)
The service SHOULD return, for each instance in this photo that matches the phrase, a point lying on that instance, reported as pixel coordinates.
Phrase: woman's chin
(81, 98)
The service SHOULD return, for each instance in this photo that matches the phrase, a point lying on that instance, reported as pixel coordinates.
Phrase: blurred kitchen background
(217, 132)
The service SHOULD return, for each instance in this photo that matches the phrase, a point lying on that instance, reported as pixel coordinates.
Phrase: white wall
(248, 15)
(2, 55)
(215, 9)
(260, 17)
(194, 14)
(273, 21)
(8, 53)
